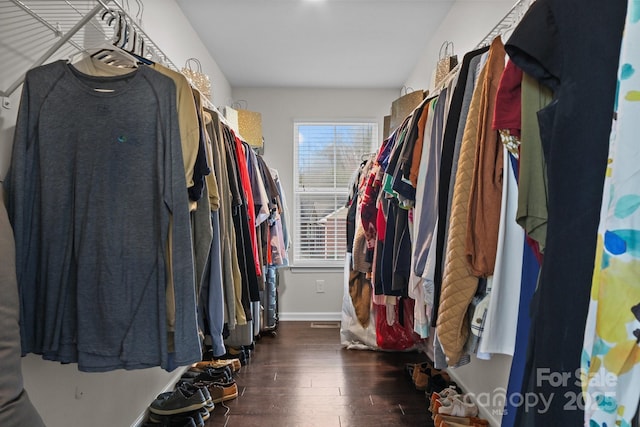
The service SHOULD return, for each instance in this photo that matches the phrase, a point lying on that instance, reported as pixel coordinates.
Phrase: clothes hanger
(114, 53)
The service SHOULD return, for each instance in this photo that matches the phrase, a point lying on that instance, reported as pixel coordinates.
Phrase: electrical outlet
(319, 286)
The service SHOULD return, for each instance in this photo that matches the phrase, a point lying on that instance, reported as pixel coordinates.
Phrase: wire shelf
(508, 22)
(36, 32)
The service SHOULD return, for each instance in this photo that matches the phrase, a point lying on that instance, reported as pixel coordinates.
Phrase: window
(327, 155)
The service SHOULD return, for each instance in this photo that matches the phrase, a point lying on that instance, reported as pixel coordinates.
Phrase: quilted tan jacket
(458, 283)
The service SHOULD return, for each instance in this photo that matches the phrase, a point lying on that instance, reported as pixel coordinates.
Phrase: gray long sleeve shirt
(95, 184)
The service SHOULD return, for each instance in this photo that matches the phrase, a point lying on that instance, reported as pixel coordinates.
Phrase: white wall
(63, 395)
(279, 108)
(167, 26)
(467, 23)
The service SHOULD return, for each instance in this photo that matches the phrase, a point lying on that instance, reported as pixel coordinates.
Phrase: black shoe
(190, 388)
(208, 375)
(233, 353)
(177, 402)
(222, 370)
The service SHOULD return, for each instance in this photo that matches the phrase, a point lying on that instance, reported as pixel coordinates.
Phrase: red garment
(400, 335)
(508, 109)
(248, 194)
(368, 206)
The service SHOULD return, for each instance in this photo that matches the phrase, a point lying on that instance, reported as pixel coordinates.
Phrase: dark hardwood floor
(304, 377)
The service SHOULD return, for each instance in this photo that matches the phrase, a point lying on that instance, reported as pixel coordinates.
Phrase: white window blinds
(327, 154)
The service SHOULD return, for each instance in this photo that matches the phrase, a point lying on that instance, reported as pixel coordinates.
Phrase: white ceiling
(316, 43)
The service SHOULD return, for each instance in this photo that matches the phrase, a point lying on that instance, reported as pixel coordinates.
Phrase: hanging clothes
(556, 45)
(483, 217)
(499, 325)
(458, 284)
(452, 140)
(83, 251)
(611, 354)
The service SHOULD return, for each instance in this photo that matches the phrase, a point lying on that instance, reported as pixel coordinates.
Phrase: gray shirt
(96, 181)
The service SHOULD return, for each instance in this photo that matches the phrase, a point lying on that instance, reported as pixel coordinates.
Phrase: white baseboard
(310, 317)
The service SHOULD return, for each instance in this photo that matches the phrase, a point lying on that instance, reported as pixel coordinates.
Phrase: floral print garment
(611, 356)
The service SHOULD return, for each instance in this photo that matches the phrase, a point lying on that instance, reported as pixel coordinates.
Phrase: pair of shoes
(191, 388)
(450, 391)
(225, 370)
(420, 377)
(458, 406)
(179, 401)
(438, 382)
(188, 419)
(220, 391)
(234, 364)
(206, 375)
(450, 421)
(426, 377)
(235, 353)
(410, 367)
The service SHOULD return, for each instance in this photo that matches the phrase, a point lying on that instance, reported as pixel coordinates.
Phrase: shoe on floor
(221, 392)
(208, 375)
(447, 392)
(439, 381)
(234, 353)
(223, 370)
(218, 363)
(410, 367)
(179, 401)
(429, 378)
(191, 388)
(458, 406)
(420, 377)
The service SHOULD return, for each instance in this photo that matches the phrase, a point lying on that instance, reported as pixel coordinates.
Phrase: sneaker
(233, 353)
(190, 388)
(205, 413)
(178, 402)
(458, 406)
(221, 392)
(208, 375)
(223, 370)
(447, 392)
(218, 363)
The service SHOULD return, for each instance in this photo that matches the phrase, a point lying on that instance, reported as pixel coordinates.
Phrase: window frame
(297, 261)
